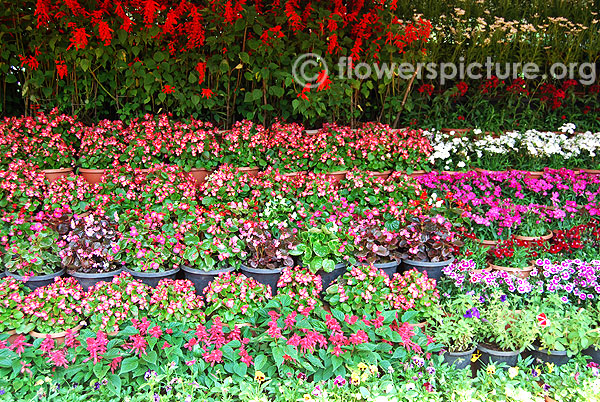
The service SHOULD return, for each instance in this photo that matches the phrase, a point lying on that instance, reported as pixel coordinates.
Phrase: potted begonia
(427, 243)
(321, 249)
(87, 253)
(12, 295)
(234, 298)
(108, 305)
(176, 301)
(22, 187)
(195, 148)
(362, 290)
(148, 142)
(375, 244)
(101, 147)
(52, 310)
(147, 248)
(267, 253)
(331, 151)
(244, 147)
(32, 252)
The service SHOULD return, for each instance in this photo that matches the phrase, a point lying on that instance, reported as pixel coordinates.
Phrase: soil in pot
(433, 269)
(55, 174)
(153, 278)
(87, 280)
(268, 277)
(92, 176)
(389, 268)
(491, 354)
(35, 282)
(460, 360)
(328, 277)
(557, 357)
(59, 337)
(200, 278)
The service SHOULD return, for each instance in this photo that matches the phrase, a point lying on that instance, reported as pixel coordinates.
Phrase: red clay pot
(92, 176)
(55, 174)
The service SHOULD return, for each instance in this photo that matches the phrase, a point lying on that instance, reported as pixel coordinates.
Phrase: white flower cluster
(451, 152)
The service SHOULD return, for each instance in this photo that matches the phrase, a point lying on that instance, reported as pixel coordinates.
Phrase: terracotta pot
(420, 325)
(92, 176)
(294, 174)
(200, 175)
(590, 171)
(250, 171)
(518, 272)
(489, 243)
(533, 175)
(336, 177)
(484, 171)
(312, 131)
(59, 337)
(533, 239)
(12, 335)
(55, 174)
(480, 271)
(417, 173)
(383, 175)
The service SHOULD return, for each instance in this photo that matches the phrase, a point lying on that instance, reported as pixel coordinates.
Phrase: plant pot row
(490, 355)
(201, 278)
(94, 176)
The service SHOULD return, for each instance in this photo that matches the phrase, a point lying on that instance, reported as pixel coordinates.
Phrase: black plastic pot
(460, 360)
(35, 282)
(328, 277)
(594, 353)
(489, 355)
(389, 268)
(433, 269)
(153, 278)
(557, 357)
(268, 277)
(88, 280)
(201, 279)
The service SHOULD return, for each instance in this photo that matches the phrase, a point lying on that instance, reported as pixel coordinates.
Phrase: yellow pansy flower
(259, 376)
(491, 369)
(475, 356)
(362, 366)
(513, 372)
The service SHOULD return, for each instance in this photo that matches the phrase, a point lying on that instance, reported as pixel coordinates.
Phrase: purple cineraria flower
(503, 298)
